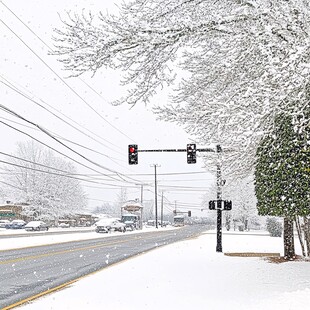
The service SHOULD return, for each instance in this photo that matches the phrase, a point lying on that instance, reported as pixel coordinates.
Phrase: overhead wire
(64, 139)
(120, 175)
(65, 82)
(14, 88)
(53, 70)
(57, 174)
(53, 168)
(79, 96)
(85, 166)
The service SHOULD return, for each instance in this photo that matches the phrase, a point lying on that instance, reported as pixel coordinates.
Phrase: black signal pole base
(219, 231)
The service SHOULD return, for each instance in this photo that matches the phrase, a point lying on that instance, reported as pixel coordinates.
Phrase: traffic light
(133, 154)
(189, 213)
(191, 153)
(227, 205)
(212, 204)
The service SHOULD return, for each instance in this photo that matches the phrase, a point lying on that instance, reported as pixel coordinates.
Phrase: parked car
(4, 223)
(16, 224)
(64, 225)
(109, 224)
(36, 226)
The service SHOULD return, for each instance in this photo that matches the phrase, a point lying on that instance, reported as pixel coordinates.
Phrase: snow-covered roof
(34, 224)
(132, 206)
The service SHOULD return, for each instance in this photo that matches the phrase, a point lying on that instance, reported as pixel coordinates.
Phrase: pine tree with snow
(281, 177)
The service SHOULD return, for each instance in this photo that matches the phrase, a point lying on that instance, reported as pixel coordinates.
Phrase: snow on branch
(245, 62)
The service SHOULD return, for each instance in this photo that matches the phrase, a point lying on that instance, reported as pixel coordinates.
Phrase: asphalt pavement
(30, 271)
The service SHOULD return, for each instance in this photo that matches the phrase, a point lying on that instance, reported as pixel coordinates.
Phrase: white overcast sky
(26, 66)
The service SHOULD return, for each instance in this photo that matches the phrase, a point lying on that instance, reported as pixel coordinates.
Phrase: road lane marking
(101, 245)
(64, 285)
(63, 252)
(79, 240)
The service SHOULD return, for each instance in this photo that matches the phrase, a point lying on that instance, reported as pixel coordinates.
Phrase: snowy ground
(187, 275)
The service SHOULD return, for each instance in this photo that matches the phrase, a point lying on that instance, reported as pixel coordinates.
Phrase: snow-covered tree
(242, 194)
(281, 176)
(42, 180)
(241, 63)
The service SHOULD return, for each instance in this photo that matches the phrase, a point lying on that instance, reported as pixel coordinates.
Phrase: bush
(274, 227)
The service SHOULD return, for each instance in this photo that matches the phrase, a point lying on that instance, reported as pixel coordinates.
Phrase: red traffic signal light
(133, 154)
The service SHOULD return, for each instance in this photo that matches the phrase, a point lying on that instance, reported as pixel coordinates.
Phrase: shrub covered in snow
(274, 227)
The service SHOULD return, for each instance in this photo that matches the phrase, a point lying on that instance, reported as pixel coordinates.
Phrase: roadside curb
(253, 254)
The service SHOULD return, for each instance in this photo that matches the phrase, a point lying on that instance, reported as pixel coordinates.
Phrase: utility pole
(141, 200)
(142, 187)
(219, 197)
(162, 208)
(156, 215)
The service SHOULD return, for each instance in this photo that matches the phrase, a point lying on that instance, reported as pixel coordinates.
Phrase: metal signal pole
(219, 197)
(191, 159)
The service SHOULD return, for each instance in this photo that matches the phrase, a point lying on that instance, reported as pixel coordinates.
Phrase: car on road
(36, 226)
(131, 221)
(4, 223)
(110, 224)
(16, 224)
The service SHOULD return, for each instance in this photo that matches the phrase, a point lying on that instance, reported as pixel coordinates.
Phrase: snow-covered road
(191, 275)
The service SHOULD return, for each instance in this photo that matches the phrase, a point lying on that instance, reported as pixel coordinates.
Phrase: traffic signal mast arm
(190, 150)
(178, 150)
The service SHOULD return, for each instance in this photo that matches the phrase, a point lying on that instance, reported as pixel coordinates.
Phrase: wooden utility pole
(156, 214)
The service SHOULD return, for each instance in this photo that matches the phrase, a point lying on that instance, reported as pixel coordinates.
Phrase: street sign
(219, 204)
(7, 214)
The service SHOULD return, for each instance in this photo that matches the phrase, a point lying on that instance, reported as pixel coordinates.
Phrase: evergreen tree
(282, 178)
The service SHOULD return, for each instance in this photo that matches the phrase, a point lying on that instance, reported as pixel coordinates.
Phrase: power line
(42, 165)
(32, 162)
(56, 150)
(64, 139)
(59, 77)
(53, 137)
(65, 83)
(14, 88)
(57, 174)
